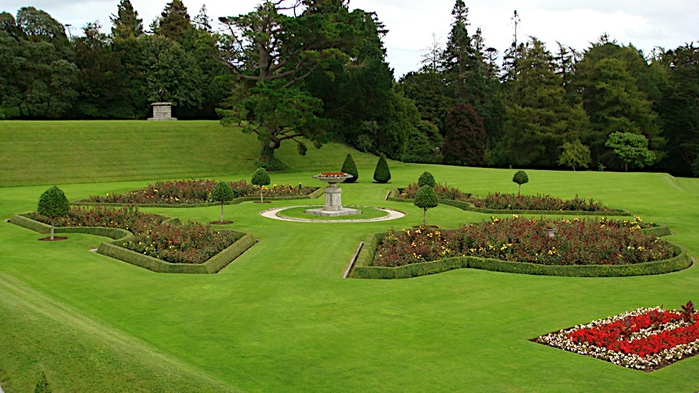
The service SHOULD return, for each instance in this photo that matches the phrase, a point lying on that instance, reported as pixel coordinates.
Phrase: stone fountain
(333, 196)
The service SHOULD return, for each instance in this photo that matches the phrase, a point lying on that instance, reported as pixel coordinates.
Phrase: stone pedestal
(333, 199)
(162, 111)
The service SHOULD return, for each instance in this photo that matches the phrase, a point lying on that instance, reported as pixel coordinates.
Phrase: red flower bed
(575, 242)
(192, 243)
(643, 339)
(194, 192)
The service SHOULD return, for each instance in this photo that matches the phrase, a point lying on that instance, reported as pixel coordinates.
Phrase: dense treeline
(312, 70)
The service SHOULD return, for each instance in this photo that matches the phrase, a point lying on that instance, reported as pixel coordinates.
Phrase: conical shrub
(382, 174)
(350, 167)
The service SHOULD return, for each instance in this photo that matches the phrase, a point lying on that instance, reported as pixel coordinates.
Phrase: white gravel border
(273, 213)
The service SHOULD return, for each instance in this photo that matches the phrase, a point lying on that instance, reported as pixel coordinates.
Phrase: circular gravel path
(273, 213)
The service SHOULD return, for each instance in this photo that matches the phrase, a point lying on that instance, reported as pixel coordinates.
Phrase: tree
(260, 178)
(381, 173)
(426, 198)
(575, 154)
(174, 22)
(222, 193)
(426, 179)
(126, 24)
(53, 204)
(43, 385)
(464, 139)
(631, 149)
(350, 167)
(520, 178)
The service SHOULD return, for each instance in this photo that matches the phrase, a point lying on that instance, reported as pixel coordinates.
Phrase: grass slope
(281, 318)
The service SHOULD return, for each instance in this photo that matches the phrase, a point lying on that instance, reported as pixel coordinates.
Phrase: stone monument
(333, 196)
(162, 110)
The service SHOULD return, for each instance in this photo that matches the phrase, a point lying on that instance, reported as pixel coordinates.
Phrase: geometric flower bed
(505, 201)
(576, 241)
(188, 243)
(644, 339)
(194, 192)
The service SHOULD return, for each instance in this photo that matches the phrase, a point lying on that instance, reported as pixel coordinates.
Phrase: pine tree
(126, 23)
(174, 21)
(381, 173)
(350, 167)
(464, 139)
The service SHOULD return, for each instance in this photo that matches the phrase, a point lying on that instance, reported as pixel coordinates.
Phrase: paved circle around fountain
(273, 213)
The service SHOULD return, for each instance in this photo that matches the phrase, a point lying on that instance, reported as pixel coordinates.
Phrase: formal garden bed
(149, 240)
(643, 339)
(200, 192)
(510, 203)
(568, 247)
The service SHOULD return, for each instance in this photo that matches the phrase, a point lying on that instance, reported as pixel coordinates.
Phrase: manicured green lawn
(281, 318)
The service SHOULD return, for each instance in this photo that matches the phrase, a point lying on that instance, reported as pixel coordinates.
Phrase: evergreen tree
(426, 179)
(464, 140)
(575, 155)
(260, 178)
(381, 173)
(350, 167)
(53, 204)
(222, 193)
(174, 22)
(520, 178)
(426, 198)
(126, 24)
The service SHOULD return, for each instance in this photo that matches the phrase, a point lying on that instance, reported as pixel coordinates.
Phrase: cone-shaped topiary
(426, 179)
(222, 193)
(53, 204)
(426, 198)
(349, 167)
(382, 174)
(260, 178)
(42, 385)
(520, 178)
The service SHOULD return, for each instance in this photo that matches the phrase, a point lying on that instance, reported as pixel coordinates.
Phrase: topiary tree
(631, 149)
(222, 193)
(260, 178)
(426, 179)
(520, 178)
(350, 167)
(382, 174)
(53, 204)
(426, 198)
(42, 385)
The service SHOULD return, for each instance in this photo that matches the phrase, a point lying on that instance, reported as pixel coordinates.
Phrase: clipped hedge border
(110, 249)
(315, 194)
(470, 207)
(363, 268)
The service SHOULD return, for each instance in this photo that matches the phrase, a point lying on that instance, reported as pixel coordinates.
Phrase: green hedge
(470, 207)
(363, 268)
(110, 249)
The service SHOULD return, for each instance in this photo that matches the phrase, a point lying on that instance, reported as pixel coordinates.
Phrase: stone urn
(333, 195)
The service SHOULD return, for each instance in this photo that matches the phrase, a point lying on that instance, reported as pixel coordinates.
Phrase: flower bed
(643, 339)
(575, 242)
(194, 192)
(190, 243)
(513, 202)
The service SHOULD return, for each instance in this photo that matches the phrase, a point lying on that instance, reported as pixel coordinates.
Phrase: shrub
(222, 193)
(53, 204)
(426, 179)
(520, 178)
(260, 178)
(382, 174)
(425, 199)
(350, 167)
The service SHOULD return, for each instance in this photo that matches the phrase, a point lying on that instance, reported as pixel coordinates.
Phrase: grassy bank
(281, 318)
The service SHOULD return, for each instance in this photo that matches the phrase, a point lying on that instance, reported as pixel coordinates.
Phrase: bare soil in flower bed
(220, 222)
(644, 339)
(55, 239)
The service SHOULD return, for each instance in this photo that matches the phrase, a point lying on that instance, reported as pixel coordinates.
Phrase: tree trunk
(52, 226)
(261, 197)
(519, 190)
(221, 212)
(424, 218)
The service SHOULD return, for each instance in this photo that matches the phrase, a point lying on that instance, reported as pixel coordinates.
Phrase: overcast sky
(414, 24)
